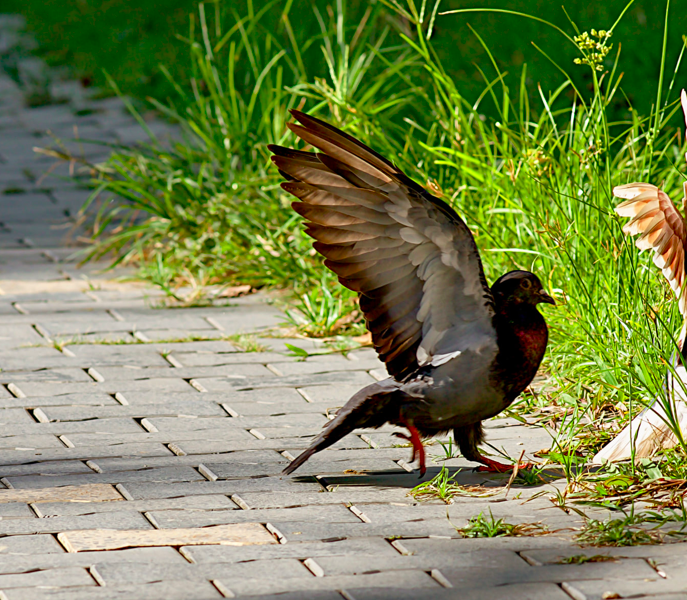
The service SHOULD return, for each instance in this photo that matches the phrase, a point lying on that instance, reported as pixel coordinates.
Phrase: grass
(529, 167)
(581, 559)
(632, 529)
(444, 487)
(481, 526)
(243, 341)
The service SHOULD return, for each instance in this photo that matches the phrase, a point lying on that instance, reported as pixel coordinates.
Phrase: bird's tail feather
(364, 409)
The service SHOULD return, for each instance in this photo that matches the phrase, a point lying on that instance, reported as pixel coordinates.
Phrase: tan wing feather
(661, 228)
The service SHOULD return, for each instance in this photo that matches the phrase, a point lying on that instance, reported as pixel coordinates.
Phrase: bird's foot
(418, 448)
(492, 466)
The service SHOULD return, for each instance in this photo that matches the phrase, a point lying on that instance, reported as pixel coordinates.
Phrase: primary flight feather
(457, 351)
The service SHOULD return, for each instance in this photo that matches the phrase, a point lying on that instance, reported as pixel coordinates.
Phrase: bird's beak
(544, 297)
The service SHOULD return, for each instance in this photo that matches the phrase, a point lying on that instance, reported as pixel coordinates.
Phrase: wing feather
(410, 257)
(661, 228)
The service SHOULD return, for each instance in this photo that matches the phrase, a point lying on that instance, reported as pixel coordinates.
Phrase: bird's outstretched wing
(410, 257)
(662, 229)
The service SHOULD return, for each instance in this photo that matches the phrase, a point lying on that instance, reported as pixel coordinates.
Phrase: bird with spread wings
(456, 350)
(662, 230)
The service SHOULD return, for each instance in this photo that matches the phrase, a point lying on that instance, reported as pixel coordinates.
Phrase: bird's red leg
(418, 448)
(492, 466)
(407, 438)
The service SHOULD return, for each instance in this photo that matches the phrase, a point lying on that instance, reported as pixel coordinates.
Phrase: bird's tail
(365, 409)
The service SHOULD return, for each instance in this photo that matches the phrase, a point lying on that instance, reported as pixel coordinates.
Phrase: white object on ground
(649, 430)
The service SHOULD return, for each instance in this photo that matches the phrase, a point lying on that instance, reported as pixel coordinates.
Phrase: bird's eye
(526, 284)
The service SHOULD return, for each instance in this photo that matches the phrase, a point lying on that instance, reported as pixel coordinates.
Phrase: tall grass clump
(203, 209)
(534, 183)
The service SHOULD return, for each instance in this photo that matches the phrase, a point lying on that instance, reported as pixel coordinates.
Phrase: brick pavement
(152, 470)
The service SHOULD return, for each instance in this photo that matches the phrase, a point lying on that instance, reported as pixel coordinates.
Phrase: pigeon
(662, 230)
(456, 350)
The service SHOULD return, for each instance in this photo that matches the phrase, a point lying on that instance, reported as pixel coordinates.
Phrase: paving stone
(170, 519)
(65, 577)
(236, 486)
(629, 569)
(227, 357)
(115, 520)
(315, 497)
(16, 336)
(28, 545)
(234, 438)
(27, 455)
(96, 399)
(182, 350)
(376, 546)
(242, 534)
(660, 553)
(101, 337)
(325, 364)
(193, 503)
(136, 355)
(280, 443)
(395, 579)
(29, 443)
(105, 426)
(120, 573)
(538, 591)
(23, 359)
(12, 416)
(16, 563)
(109, 387)
(365, 563)
(242, 371)
(297, 531)
(360, 378)
(16, 510)
(200, 408)
(46, 375)
(164, 590)
(276, 442)
(166, 474)
(625, 587)
(332, 395)
(78, 328)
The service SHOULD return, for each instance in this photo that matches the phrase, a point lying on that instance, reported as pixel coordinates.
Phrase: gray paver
(122, 519)
(191, 503)
(166, 474)
(172, 519)
(16, 563)
(376, 546)
(119, 573)
(65, 577)
(165, 590)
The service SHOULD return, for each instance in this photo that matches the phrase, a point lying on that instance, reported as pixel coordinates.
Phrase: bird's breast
(522, 343)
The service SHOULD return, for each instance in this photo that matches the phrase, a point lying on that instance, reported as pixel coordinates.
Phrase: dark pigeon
(457, 351)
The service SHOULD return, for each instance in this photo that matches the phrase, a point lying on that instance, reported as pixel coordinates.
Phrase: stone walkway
(151, 468)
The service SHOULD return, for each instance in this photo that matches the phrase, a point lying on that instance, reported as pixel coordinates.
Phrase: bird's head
(519, 287)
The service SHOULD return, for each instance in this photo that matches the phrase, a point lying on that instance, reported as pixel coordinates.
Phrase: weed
(580, 559)
(617, 532)
(321, 313)
(444, 487)
(490, 527)
(246, 342)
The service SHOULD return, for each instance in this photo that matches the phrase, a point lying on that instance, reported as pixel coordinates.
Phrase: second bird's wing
(410, 257)
(662, 230)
